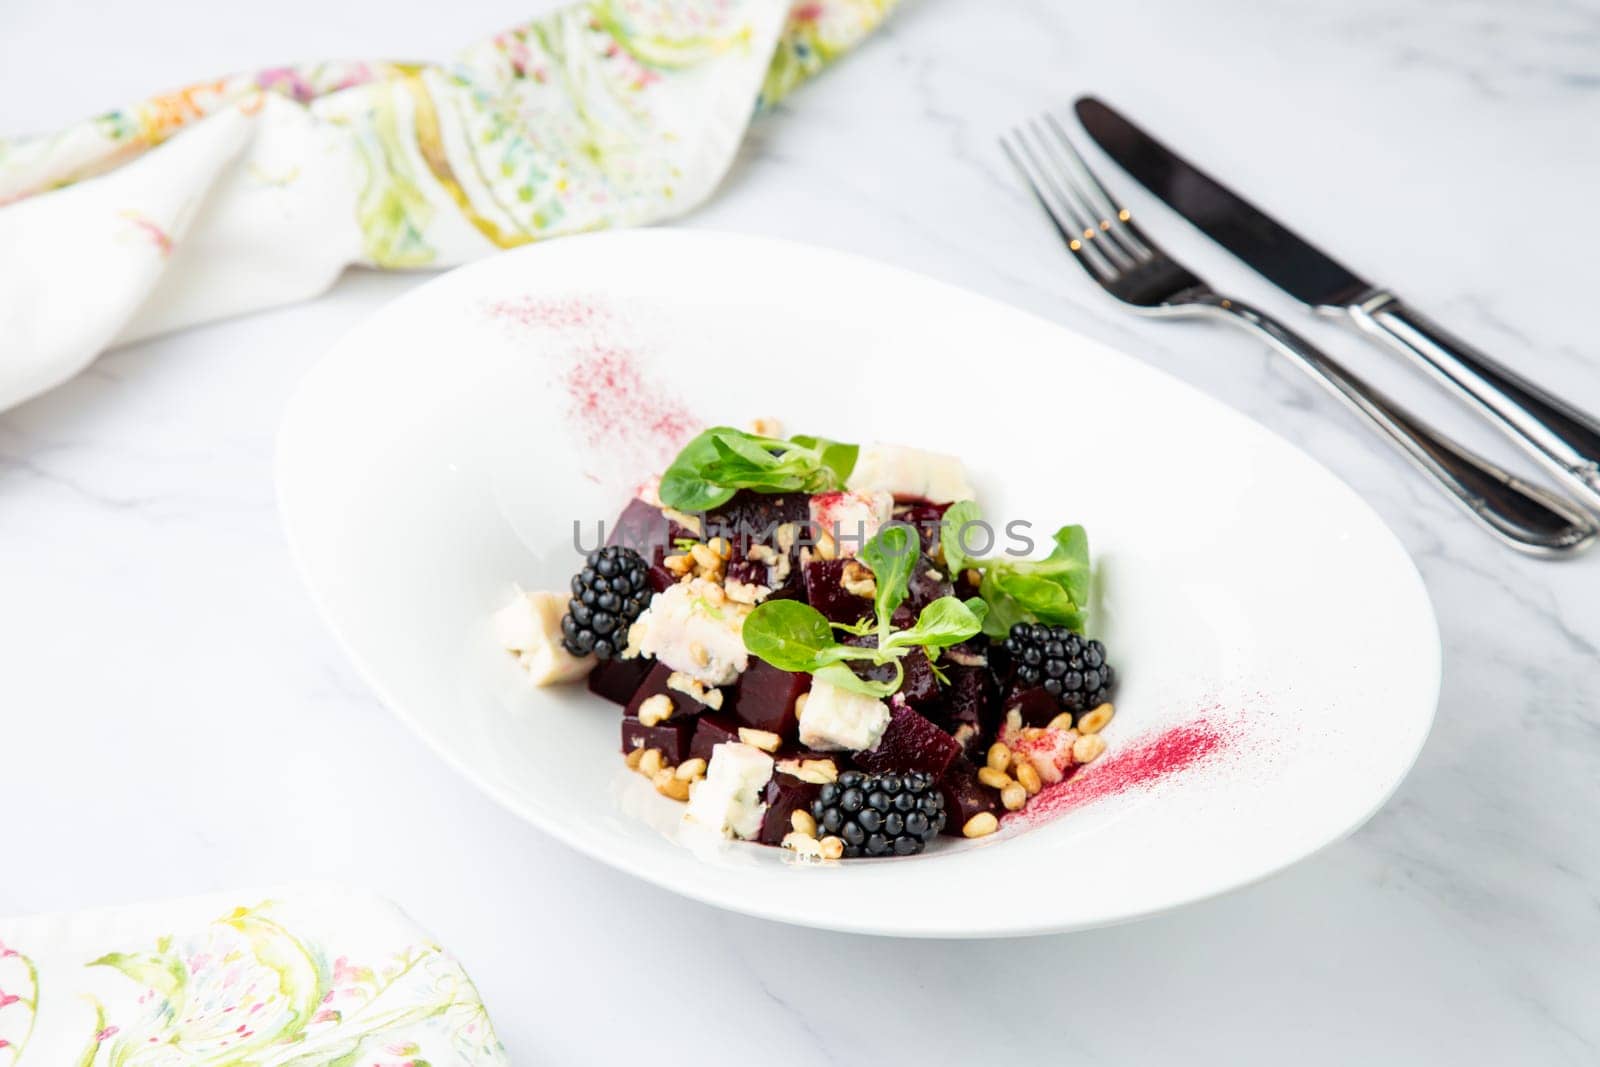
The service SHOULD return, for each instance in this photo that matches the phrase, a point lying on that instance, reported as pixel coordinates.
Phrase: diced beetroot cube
(927, 584)
(825, 593)
(765, 698)
(672, 737)
(972, 707)
(1037, 706)
(784, 795)
(656, 683)
(618, 679)
(712, 729)
(751, 518)
(647, 530)
(964, 795)
(911, 743)
(924, 516)
(920, 686)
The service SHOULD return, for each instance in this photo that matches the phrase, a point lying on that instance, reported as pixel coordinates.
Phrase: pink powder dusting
(1140, 765)
(555, 314)
(612, 408)
(612, 403)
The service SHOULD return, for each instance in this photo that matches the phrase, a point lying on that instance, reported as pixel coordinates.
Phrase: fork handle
(1564, 439)
(1524, 516)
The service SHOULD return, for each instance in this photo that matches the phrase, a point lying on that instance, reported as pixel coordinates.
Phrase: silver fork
(1102, 237)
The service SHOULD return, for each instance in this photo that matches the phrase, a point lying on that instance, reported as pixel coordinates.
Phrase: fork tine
(1115, 221)
(1060, 211)
(1094, 228)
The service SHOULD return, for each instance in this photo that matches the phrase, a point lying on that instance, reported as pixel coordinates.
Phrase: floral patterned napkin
(305, 976)
(606, 113)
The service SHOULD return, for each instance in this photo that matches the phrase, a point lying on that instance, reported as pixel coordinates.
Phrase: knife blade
(1556, 433)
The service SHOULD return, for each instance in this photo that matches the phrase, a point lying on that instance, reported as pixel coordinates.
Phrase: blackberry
(880, 814)
(1066, 665)
(611, 591)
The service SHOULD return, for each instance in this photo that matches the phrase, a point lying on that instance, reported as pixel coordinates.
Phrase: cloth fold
(257, 190)
(296, 977)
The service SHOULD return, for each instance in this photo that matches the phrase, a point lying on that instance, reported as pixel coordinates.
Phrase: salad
(823, 647)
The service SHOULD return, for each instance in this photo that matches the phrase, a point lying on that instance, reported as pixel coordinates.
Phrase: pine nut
(1013, 796)
(650, 762)
(765, 740)
(655, 709)
(1028, 778)
(803, 845)
(679, 565)
(992, 778)
(999, 756)
(980, 825)
(818, 771)
(721, 547)
(706, 558)
(669, 785)
(691, 769)
(830, 847)
(633, 758)
(800, 702)
(802, 822)
(1062, 721)
(1088, 747)
(1093, 722)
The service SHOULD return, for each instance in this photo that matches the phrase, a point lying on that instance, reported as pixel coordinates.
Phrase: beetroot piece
(656, 682)
(784, 795)
(1037, 706)
(927, 584)
(919, 687)
(972, 701)
(765, 698)
(672, 737)
(618, 679)
(712, 729)
(964, 796)
(750, 518)
(647, 530)
(925, 517)
(823, 592)
(911, 743)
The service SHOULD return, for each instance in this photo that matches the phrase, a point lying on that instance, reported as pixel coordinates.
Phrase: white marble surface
(173, 717)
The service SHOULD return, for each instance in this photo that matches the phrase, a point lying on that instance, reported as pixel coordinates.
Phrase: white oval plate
(1279, 660)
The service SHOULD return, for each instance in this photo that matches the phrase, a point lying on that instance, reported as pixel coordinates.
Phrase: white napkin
(298, 977)
(257, 190)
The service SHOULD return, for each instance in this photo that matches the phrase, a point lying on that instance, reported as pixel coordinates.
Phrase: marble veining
(173, 717)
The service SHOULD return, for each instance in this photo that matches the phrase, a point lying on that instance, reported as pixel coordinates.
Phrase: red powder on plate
(1142, 764)
(555, 314)
(636, 424)
(614, 407)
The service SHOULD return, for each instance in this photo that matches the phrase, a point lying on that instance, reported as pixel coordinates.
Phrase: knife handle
(1560, 436)
(1524, 516)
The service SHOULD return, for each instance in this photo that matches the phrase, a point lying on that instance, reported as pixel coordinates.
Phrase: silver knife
(1563, 438)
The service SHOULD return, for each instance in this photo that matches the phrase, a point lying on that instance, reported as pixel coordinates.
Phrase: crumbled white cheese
(851, 518)
(835, 719)
(530, 628)
(911, 472)
(693, 627)
(728, 798)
